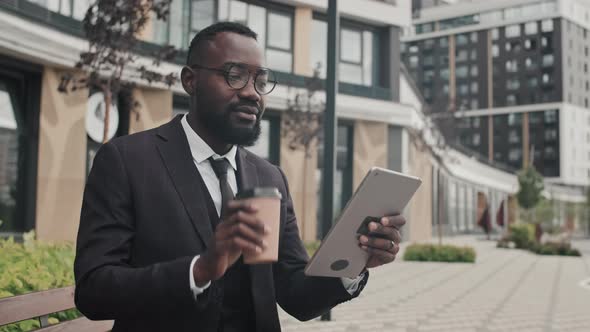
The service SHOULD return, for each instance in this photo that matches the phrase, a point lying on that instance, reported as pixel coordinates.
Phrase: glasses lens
(265, 81)
(237, 77)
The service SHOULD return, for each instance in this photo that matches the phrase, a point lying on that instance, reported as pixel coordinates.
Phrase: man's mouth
(248, 113)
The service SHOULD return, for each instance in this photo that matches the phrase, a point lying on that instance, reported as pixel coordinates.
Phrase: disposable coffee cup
(268, 202)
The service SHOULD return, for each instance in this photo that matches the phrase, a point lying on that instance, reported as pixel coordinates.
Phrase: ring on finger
(392, 245)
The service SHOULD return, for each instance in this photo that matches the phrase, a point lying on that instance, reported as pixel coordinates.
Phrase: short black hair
(209, 33)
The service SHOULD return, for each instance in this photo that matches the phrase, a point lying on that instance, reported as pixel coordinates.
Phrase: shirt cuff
(194, 288)
(352, 285)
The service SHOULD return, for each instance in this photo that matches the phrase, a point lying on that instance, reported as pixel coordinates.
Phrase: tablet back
(382, 192)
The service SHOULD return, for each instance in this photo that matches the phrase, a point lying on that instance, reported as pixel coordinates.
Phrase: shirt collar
(201, 151)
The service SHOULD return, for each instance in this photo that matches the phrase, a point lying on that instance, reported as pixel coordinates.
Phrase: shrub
(439, 253)
(33, 266)
(552, 248)
(523, 235)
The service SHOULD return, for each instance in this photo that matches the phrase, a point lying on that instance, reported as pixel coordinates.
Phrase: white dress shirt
(201, 152)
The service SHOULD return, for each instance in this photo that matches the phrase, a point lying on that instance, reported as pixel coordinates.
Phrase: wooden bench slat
(80, 324)
(21, 307)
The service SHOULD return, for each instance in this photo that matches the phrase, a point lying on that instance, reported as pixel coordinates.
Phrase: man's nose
(249, 92)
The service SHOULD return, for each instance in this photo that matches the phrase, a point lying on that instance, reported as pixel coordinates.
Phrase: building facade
(48, 138)
(516, 74)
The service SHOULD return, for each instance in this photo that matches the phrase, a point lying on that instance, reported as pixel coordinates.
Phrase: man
(153, 252)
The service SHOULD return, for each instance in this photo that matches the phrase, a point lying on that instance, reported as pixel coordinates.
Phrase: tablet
(381, 193)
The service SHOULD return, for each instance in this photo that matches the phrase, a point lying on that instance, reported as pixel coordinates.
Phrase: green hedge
(561, 249)
(33, 266)
(522, 236)
(439, 253)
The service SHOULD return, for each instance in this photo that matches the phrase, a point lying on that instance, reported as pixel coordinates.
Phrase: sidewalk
(505, 290)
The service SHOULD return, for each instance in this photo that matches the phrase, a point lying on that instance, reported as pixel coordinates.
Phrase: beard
(223, 126)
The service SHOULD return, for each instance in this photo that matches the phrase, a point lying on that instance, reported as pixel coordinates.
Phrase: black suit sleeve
(107, 286)
(301, 296)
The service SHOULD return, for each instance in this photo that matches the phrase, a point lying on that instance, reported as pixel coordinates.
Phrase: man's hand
(383, 240)
(239, 232)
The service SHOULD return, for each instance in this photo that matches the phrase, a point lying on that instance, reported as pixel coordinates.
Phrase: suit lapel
(260, 274)
(176, 156)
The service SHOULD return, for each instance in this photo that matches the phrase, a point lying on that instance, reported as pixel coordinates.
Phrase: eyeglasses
(237, 76)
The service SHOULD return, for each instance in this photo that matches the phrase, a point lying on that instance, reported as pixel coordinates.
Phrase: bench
(39, 305)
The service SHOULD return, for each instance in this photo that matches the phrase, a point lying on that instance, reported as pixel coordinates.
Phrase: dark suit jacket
(144, 217)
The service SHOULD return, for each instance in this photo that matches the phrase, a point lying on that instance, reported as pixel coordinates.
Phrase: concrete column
(370, 148)
(302, 41)
(301, 174)
(526, 157)
(395, 61)
(452, 80)
(61, 171)
(155, 109)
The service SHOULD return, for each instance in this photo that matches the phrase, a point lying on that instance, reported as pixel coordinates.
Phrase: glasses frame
(225, 70)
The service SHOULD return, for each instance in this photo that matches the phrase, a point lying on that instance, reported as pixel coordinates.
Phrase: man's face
(231, 115)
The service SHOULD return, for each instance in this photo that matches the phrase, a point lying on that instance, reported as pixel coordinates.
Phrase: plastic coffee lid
(260, 192)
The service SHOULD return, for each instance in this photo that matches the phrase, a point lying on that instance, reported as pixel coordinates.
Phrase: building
(516, 74)
(52, 138)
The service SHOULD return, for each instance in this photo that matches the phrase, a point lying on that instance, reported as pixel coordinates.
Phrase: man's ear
(188, 77)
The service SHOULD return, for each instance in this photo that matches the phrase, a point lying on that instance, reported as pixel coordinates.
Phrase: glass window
(476, 140)
(474, 71)
(367, 58)
(462, 39)
(414, 61)
(319, 46)
(515, 154)
(474, 87)
(262, 147)
(279, 60)
(462, 71)
(531, 28)
(463, 89)
(428, 75)
(475, 122)
(428, 44)
(532, 82)
(473, 37)
(547, 25)
(444, 42)
(413, 48)
(550, 135)
(495, 34)
(461, 55)
(474, 104)
(428, 60)
(444, 74)
(203, 14)
(9, 160)
(511, 100)
(512, 84)
(356, 53)
(514, 119)
(550, 116)
(512, 66)
(495, 50)
(512, 31)
(350, 46)
(547, 60)
(343, 172)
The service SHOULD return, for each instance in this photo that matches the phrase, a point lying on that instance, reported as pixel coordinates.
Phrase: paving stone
(505, 290)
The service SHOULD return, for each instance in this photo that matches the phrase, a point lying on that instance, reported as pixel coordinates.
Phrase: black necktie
(220, 168)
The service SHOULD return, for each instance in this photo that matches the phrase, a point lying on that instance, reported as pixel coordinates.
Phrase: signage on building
(95, 118)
